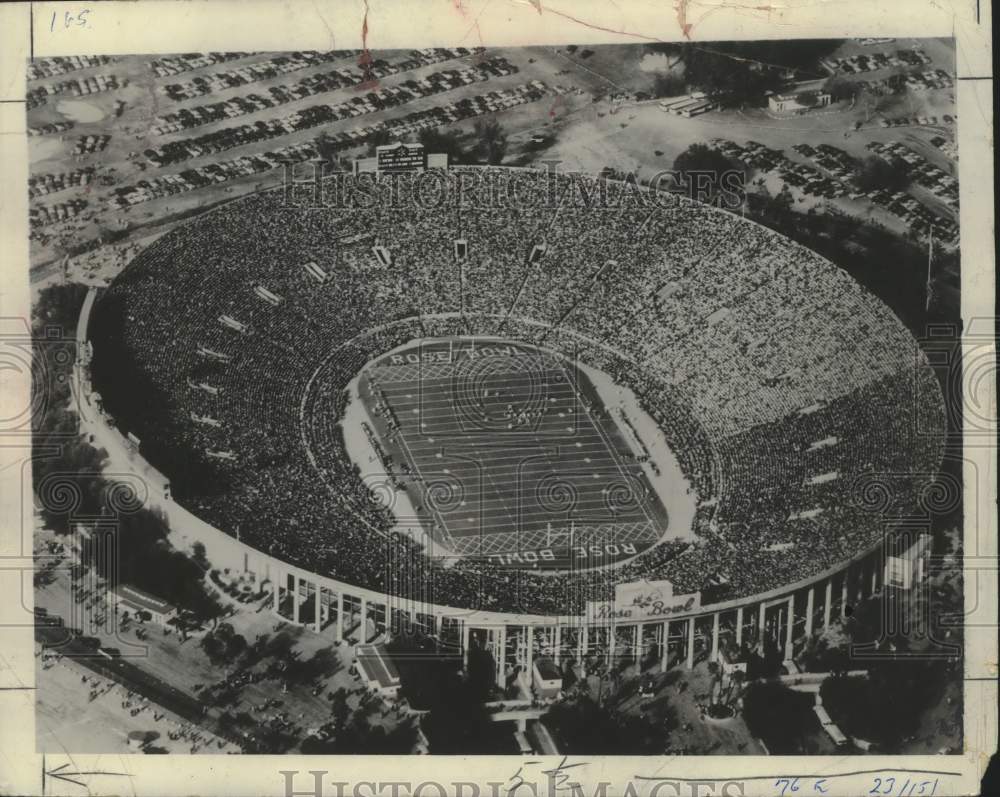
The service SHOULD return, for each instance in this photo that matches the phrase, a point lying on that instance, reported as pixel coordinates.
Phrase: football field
(509, 454)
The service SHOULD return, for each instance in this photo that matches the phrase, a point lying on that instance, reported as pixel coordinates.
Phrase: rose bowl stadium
(525, 419)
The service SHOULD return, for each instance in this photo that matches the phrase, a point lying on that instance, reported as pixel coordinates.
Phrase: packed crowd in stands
(786, 391)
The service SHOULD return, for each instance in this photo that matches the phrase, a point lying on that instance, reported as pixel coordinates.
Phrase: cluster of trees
(744, 70)
(886, 706)
(782, 718)
(583, 725)
(352, 732)
(457, 720)
(706, 174)
(223, 644)
(877, 174)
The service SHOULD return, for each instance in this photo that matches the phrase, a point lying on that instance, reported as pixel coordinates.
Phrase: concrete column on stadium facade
(340, 615)
(465, 644)
(276, 595)
(739, 627)
(557, 644)
(789, 647)
(438, 623)
(810, 609)
(317, 605)
(529, 632)
(584, 641)
(295, 599)
(762, 625)
(502, 656)
(637, 644)
(715, 637)
(363, 629)
(874, 577)
(843, 596)
(690, 650)
(665, 645)
(827, 603)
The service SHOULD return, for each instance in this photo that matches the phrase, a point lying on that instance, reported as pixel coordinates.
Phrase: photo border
(150, 27)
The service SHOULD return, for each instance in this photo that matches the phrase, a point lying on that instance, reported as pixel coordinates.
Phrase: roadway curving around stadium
(801, 411)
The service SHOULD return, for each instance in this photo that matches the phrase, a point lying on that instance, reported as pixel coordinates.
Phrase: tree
(584, 726)
(876, 174)
(491, 143)
(705, 172)
(437, 140)
(198, 551)
(745, 70)
(379, 138)
(668, 85)
(779, 716)
(840, 88)
(829, 651)
(223, 645)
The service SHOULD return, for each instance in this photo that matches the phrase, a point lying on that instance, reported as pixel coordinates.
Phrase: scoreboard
(400, 157)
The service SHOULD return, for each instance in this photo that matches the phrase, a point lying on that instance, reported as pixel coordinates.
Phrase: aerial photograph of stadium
(522, 401)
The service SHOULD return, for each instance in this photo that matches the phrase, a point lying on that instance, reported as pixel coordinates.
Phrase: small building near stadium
(137, 601)
(376, 670)
(799, 102)
(546, 678)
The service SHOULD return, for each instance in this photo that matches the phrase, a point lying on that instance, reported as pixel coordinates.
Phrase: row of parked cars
(43, 184)
(250, 73)
(39, 68)
(87, 145)
(830, 159)
(343, 77)
(247, 165)
(78, 88)
(805, 178)
(909, 121)
(176, 64)
(920, 170)
(42, 215)
(223, 171)
(50, 129)
(228, 138)
(865, 62)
